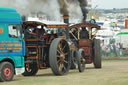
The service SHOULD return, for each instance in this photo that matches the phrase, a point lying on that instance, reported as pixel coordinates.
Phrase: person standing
(102, 49)
(111, 49)
(114, 49)
(118, 49)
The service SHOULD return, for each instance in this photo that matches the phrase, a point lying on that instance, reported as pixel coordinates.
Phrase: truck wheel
(81, 60)
(97, 54)
(73, 60)
(59, 56)
(30, 69)
(6, 71)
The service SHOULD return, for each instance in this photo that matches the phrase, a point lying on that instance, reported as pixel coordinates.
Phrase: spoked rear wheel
(81, 60)
(59, 56)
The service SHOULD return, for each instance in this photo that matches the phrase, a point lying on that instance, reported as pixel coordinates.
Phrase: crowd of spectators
(113, 50)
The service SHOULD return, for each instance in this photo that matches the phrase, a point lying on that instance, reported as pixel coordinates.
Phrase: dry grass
(114, 72)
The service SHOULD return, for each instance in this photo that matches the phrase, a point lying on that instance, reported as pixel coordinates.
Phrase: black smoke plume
(75, 4)
(83, 5)
(63, 7)
(53, 8)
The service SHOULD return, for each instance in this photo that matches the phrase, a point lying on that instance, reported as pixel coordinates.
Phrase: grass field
(114, 72)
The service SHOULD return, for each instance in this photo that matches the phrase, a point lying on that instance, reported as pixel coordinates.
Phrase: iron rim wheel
(30, 69)
(81, 60)
(97, 54)
(59, 56)
(6, 71)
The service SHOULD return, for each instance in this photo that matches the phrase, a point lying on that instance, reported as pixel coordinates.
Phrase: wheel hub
(7, 72)
(82, 60)
(62, 57)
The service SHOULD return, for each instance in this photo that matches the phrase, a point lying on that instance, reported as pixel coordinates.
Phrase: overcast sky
(110, 4)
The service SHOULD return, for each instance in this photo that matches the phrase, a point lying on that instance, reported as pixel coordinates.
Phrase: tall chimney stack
(66, 20)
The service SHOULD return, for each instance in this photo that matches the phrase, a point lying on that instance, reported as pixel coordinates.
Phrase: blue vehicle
(12, 45)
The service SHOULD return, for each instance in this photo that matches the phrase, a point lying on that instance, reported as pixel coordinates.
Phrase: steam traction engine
(85, 50)
(46, 47)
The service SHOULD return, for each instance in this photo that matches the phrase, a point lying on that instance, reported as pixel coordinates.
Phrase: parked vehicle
(12, 45)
